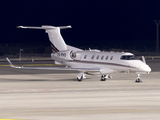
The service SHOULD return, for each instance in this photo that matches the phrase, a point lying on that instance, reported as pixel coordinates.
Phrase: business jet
(88, 62)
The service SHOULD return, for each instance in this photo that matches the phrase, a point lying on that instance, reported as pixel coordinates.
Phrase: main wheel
(79, 80)
(103, 79)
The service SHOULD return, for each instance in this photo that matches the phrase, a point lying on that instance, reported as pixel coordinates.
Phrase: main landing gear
(104, 77)
(138, 80)
(79, 79)
(81, 76)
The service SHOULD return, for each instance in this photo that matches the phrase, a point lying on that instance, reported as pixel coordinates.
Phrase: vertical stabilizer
(57, 42)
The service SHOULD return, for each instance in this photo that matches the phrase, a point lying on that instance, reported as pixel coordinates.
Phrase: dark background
(102, 24)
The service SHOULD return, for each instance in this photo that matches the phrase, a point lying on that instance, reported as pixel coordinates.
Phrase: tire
(103, 79)
(79, 80)
(138, 80)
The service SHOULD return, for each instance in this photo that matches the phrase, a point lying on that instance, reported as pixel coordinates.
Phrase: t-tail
(57, 42)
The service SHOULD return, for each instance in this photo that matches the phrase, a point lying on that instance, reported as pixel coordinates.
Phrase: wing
(55, 68)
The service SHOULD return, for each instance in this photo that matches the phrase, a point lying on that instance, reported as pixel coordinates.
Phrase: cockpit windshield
(129, 57)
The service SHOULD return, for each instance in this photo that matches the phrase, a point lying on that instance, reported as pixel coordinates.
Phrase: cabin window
(111, 58)
(106, 57)
(85, 56)
(129, 57)
(98, 57)
(92, 57)
(102, 57)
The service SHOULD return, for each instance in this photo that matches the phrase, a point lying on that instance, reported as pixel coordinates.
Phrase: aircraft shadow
(73, 79)
(39, 80)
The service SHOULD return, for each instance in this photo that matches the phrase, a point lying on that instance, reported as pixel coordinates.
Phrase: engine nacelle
(67, 55)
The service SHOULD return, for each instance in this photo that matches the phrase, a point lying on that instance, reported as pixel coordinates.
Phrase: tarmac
(57, 95)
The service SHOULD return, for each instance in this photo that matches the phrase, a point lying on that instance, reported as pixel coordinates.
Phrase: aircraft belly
(80, 65)
(104, 69)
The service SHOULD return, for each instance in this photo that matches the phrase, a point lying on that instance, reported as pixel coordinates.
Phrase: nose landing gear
(138, 80)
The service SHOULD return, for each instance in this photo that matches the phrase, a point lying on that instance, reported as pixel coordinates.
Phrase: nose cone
(145, 68)
(148, 69)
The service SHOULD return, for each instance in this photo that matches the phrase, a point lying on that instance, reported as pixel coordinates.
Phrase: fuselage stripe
(54, 48)
(103, 63)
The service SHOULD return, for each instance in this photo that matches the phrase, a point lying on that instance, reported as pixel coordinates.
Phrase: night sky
(99, 21)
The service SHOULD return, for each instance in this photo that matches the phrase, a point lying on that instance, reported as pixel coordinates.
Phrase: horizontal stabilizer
(44, 27)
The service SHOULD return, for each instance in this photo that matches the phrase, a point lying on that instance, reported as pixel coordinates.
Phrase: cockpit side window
(128, 57)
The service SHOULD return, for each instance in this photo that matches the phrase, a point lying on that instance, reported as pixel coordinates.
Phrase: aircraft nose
(147, 69)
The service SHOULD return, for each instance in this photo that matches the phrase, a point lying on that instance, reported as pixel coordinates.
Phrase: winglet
(11, 63)
(21, 27)
(143, 59)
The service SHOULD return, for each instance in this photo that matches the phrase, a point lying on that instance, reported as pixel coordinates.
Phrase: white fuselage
(88, 61)
(108, 62)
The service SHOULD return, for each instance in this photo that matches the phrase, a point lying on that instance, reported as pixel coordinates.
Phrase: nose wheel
(138, 80)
